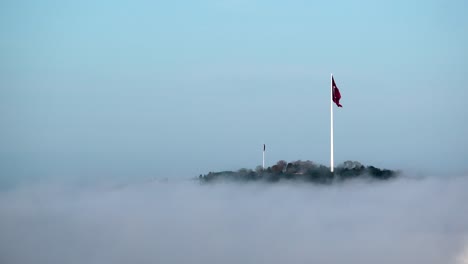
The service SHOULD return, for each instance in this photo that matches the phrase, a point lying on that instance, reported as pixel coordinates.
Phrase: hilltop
(307, 171)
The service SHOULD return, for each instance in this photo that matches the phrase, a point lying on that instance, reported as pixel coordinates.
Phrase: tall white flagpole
(263, 156)
(331, 123)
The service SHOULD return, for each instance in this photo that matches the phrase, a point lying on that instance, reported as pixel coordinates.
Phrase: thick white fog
(406, 220)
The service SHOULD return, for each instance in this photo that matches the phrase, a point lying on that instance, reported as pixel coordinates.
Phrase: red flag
(336, 93)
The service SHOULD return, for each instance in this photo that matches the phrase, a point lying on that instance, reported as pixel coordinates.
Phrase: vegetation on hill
(307, 171)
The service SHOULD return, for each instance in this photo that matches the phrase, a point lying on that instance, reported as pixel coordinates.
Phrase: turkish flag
(336, 93)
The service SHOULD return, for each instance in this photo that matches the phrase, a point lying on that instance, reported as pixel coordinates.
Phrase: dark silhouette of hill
(307, 171)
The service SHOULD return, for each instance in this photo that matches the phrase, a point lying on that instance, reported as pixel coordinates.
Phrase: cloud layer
(406, 220)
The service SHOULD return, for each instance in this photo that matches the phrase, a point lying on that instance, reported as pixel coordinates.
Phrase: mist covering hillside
(406, 220)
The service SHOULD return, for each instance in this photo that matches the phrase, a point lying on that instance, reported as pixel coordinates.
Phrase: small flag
(336, 94)
(263, 147)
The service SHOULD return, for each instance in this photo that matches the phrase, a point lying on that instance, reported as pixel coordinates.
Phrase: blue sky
(179, 88)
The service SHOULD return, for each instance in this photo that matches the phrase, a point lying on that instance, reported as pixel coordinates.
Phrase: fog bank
(405, 220)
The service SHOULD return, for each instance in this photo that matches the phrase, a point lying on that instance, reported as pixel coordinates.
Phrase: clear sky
(180, 88)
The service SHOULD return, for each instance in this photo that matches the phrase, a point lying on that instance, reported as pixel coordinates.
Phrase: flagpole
(263, 157)
(331, 122)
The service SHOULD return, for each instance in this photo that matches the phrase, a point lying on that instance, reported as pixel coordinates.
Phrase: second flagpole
(263, 163)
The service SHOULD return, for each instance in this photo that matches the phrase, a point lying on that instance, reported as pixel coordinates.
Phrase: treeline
(302, 171)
